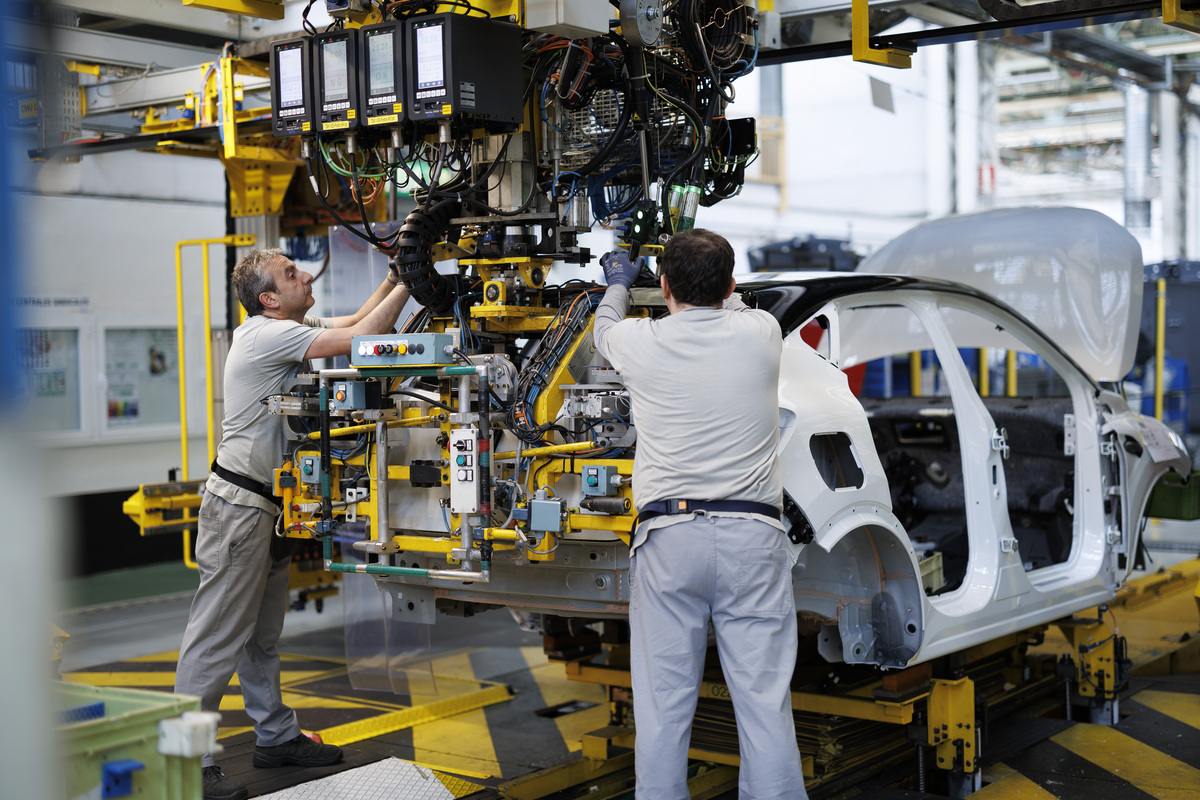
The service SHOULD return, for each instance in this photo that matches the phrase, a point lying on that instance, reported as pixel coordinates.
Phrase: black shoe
(301, 751)
(218, 787)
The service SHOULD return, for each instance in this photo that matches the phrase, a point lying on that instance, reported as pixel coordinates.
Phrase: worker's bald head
(698, 266)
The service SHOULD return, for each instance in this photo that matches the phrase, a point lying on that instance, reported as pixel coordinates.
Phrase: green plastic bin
(1171, 498)
(103, 746)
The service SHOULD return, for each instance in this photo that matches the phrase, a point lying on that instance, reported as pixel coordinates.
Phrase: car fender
(860, 579)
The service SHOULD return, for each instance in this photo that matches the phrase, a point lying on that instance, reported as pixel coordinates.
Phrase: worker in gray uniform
(237, 613)
(710, 546)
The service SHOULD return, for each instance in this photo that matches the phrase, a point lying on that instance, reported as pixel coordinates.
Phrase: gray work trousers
(236, 618)
(736, 573)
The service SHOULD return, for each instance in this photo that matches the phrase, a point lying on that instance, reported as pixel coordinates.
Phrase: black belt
(249, 484)
(666, 507)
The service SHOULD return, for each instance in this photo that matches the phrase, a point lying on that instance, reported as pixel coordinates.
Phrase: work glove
(619, 270)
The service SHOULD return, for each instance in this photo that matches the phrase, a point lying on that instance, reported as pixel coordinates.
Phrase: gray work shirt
(705, 389)
(264, 355)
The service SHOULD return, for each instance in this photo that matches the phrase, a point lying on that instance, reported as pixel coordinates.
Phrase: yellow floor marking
(1009, 784)
(124, 678)
(462, 743)
(225, 733)
(552, 681)
(1183, 707)
(235, 702)
(998, 771)
(165, 678)
(1148, 769)
(171, 656)
(455, 665)
(457, 786)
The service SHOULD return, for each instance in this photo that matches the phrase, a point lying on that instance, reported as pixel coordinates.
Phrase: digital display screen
(430, 73)
(381, 65)
(334, 64)
(291, 78)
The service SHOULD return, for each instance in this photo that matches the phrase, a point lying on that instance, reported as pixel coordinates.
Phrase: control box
(354, 395)
(381, 58)
(402, 350)
(464, 471)
(292, 101)
(600, 480)
(336, 80)
(545, 516)
(310, 469)
(465, 66)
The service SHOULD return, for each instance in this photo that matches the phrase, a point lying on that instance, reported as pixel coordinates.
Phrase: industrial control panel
(336, 87)
(464, 65)
(291, 92)
(464, 471)
(402, 350)
(382, 69)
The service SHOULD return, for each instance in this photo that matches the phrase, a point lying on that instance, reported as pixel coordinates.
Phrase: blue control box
(599, 480)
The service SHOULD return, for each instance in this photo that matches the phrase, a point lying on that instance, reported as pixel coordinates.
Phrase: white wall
(104, 229)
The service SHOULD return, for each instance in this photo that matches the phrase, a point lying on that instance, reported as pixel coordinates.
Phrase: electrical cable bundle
(572, 317)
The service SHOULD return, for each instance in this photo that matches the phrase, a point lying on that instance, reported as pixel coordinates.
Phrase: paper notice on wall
(140, 365)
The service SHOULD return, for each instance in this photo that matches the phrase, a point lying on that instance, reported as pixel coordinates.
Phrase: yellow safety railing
(236, 240)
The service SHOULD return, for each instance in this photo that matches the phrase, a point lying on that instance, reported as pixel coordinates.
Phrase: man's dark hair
(698, 265)
(251, 279)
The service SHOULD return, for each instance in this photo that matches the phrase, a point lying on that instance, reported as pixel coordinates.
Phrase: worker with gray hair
(237, 613)
(709, 546)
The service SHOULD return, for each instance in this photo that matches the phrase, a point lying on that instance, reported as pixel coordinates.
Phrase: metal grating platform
(388, 778)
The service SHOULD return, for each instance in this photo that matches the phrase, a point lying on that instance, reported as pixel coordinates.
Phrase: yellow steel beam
(257, 187)
(580, 771)
(860, 41)
(1174, 15)
(599, 744)
(622, 526)
(1093, 649)
(952, 730)
(260, 9)
(853, 707)
(81, 68)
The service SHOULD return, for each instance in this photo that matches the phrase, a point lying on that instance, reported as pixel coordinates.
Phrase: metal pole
(1160, 347)
(183, 424)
